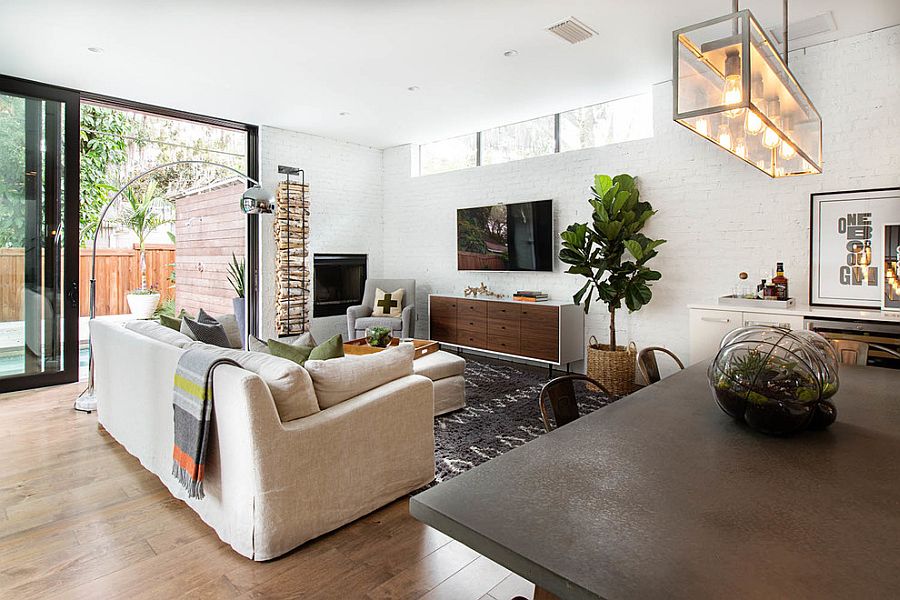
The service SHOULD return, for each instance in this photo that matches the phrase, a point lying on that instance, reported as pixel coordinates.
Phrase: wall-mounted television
(505, 237)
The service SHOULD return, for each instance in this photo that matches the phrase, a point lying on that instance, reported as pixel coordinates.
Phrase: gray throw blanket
(193, 400)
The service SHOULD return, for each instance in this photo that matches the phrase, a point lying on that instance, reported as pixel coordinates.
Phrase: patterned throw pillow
(388, 304)
(207, 330)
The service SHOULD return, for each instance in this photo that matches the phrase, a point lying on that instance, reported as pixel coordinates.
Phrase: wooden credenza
(548, 332)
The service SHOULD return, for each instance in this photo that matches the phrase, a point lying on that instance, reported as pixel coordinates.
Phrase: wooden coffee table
(359, 347)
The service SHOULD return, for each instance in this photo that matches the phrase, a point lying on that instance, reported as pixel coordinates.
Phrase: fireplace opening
(338, 283)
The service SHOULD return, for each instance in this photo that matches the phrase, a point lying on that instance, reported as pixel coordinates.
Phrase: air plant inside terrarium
(777, 381)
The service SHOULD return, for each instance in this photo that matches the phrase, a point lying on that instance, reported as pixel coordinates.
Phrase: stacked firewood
(291, 272)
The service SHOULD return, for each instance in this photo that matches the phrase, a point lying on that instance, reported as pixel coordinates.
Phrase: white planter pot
(142, 305)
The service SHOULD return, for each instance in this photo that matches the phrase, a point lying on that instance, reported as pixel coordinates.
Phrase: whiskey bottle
(780, 282)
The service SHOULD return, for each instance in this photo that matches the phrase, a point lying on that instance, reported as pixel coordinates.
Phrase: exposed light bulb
(754, 124)
(702, 126)
(731, 91)
(770, 139)
(724, 136)
(740, 148)
(787, 151)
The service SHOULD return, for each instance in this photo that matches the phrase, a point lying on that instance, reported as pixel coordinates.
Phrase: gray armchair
(360, 317)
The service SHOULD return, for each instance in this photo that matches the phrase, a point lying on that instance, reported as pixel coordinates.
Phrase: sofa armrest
(409, 321)
(354, 313)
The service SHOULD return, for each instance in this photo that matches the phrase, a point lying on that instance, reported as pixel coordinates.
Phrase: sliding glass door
(38, 235)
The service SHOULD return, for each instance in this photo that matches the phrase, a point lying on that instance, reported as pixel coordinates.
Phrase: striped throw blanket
(193, 400)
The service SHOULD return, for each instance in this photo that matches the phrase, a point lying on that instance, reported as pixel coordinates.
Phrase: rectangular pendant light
(733, 88)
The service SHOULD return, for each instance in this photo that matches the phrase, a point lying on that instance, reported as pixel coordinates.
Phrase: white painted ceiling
(298, 64)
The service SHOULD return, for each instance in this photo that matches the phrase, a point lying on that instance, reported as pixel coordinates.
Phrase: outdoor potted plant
(612, 254)
(139, 216)
(236, 278)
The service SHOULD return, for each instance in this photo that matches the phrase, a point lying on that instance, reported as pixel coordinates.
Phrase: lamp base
(87, 401)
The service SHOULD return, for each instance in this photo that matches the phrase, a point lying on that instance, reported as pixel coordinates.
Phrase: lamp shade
(733, 88)
(256, 200)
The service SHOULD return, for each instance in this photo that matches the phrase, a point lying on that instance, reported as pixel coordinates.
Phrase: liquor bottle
(780, 282)
(761, 289)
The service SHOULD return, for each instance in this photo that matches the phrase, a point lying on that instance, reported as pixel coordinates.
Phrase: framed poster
(890, 282)
(847, 246)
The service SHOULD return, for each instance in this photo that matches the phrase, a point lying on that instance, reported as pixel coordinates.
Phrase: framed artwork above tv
(505, 237)
(847, 246)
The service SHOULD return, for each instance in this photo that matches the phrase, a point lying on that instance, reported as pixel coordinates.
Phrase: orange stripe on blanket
(186, 462)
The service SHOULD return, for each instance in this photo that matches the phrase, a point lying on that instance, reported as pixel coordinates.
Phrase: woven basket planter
(614, 369)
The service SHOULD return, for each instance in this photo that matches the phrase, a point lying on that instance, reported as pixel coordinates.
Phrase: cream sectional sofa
(270, 484)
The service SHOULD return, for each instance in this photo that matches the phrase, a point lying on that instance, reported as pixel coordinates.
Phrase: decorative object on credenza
(890, 281)
(760, 302)
(846, 239)
(483, 290)
(379, 337)
(733, 89)
(600, 252)
(776, 380)
(291, 231)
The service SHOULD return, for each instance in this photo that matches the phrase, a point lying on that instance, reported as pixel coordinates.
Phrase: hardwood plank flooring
(80, 518)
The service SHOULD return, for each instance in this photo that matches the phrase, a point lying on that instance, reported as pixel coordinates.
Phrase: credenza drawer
(503, 343)
(443, 306)
(471, 338)
(539, 343)
(539, 316)
(472, 308)
(506, 311)
(502, 327)
(471, 323)
(443, 329)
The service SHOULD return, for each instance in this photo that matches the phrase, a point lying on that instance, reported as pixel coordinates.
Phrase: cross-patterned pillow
(388, 304)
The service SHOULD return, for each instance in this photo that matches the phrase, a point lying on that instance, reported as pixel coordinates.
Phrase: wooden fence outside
(473, 261)
(118, 272)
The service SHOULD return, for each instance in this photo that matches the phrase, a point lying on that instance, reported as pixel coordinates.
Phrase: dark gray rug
(501, 413)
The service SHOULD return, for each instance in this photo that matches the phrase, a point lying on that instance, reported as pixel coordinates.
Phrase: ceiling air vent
(572, 30)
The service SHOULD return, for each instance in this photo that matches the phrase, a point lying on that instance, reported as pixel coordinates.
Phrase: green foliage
(379, 337)
(139, 216)
(103, 147)
(236, 275)
(12, 171)
(611, 252)
(166, 307)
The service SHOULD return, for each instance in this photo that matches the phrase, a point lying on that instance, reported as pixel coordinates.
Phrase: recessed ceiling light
(344, 114)
(509, 53)
(413, 88)
(95, 49)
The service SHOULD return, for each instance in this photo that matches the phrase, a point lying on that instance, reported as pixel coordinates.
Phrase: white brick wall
(346, 197)
(720, 215)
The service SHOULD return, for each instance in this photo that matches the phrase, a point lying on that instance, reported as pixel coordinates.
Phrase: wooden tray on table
(360, 347)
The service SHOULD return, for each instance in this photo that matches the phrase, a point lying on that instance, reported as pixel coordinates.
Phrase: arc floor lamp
(254, 201)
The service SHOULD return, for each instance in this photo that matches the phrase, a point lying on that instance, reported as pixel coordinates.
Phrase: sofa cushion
(290, 385)
(158, 332)
(439, 365)
(387, 304)
(232, 330)
(340, 379)
(172, 322)
(393, 324)
(208, 333)
(257, 345)
(295, 354)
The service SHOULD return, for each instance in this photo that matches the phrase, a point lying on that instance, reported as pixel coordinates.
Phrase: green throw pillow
(331, 348)
(297, 354)
(172, 322)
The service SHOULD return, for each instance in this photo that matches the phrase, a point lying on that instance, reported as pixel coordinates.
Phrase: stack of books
(530, 296)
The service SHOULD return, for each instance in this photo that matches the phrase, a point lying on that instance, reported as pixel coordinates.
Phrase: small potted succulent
(775, 380)
(379, 337)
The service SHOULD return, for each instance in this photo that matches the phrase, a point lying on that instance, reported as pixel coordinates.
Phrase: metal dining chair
(558, 400)
(648, 365)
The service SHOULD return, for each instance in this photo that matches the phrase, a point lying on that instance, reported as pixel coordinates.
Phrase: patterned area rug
(501, 413)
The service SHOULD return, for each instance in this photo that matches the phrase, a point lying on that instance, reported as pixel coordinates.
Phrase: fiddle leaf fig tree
(611, 252)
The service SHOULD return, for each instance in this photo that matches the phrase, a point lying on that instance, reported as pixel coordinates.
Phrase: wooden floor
(80, 518)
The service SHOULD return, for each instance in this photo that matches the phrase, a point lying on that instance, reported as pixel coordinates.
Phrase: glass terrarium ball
(379, 337)
(776, 380)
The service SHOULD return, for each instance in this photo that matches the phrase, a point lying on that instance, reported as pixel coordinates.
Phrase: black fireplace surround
(338, 283)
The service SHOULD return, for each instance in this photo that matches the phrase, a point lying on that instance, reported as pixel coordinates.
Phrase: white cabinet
(707, 328)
